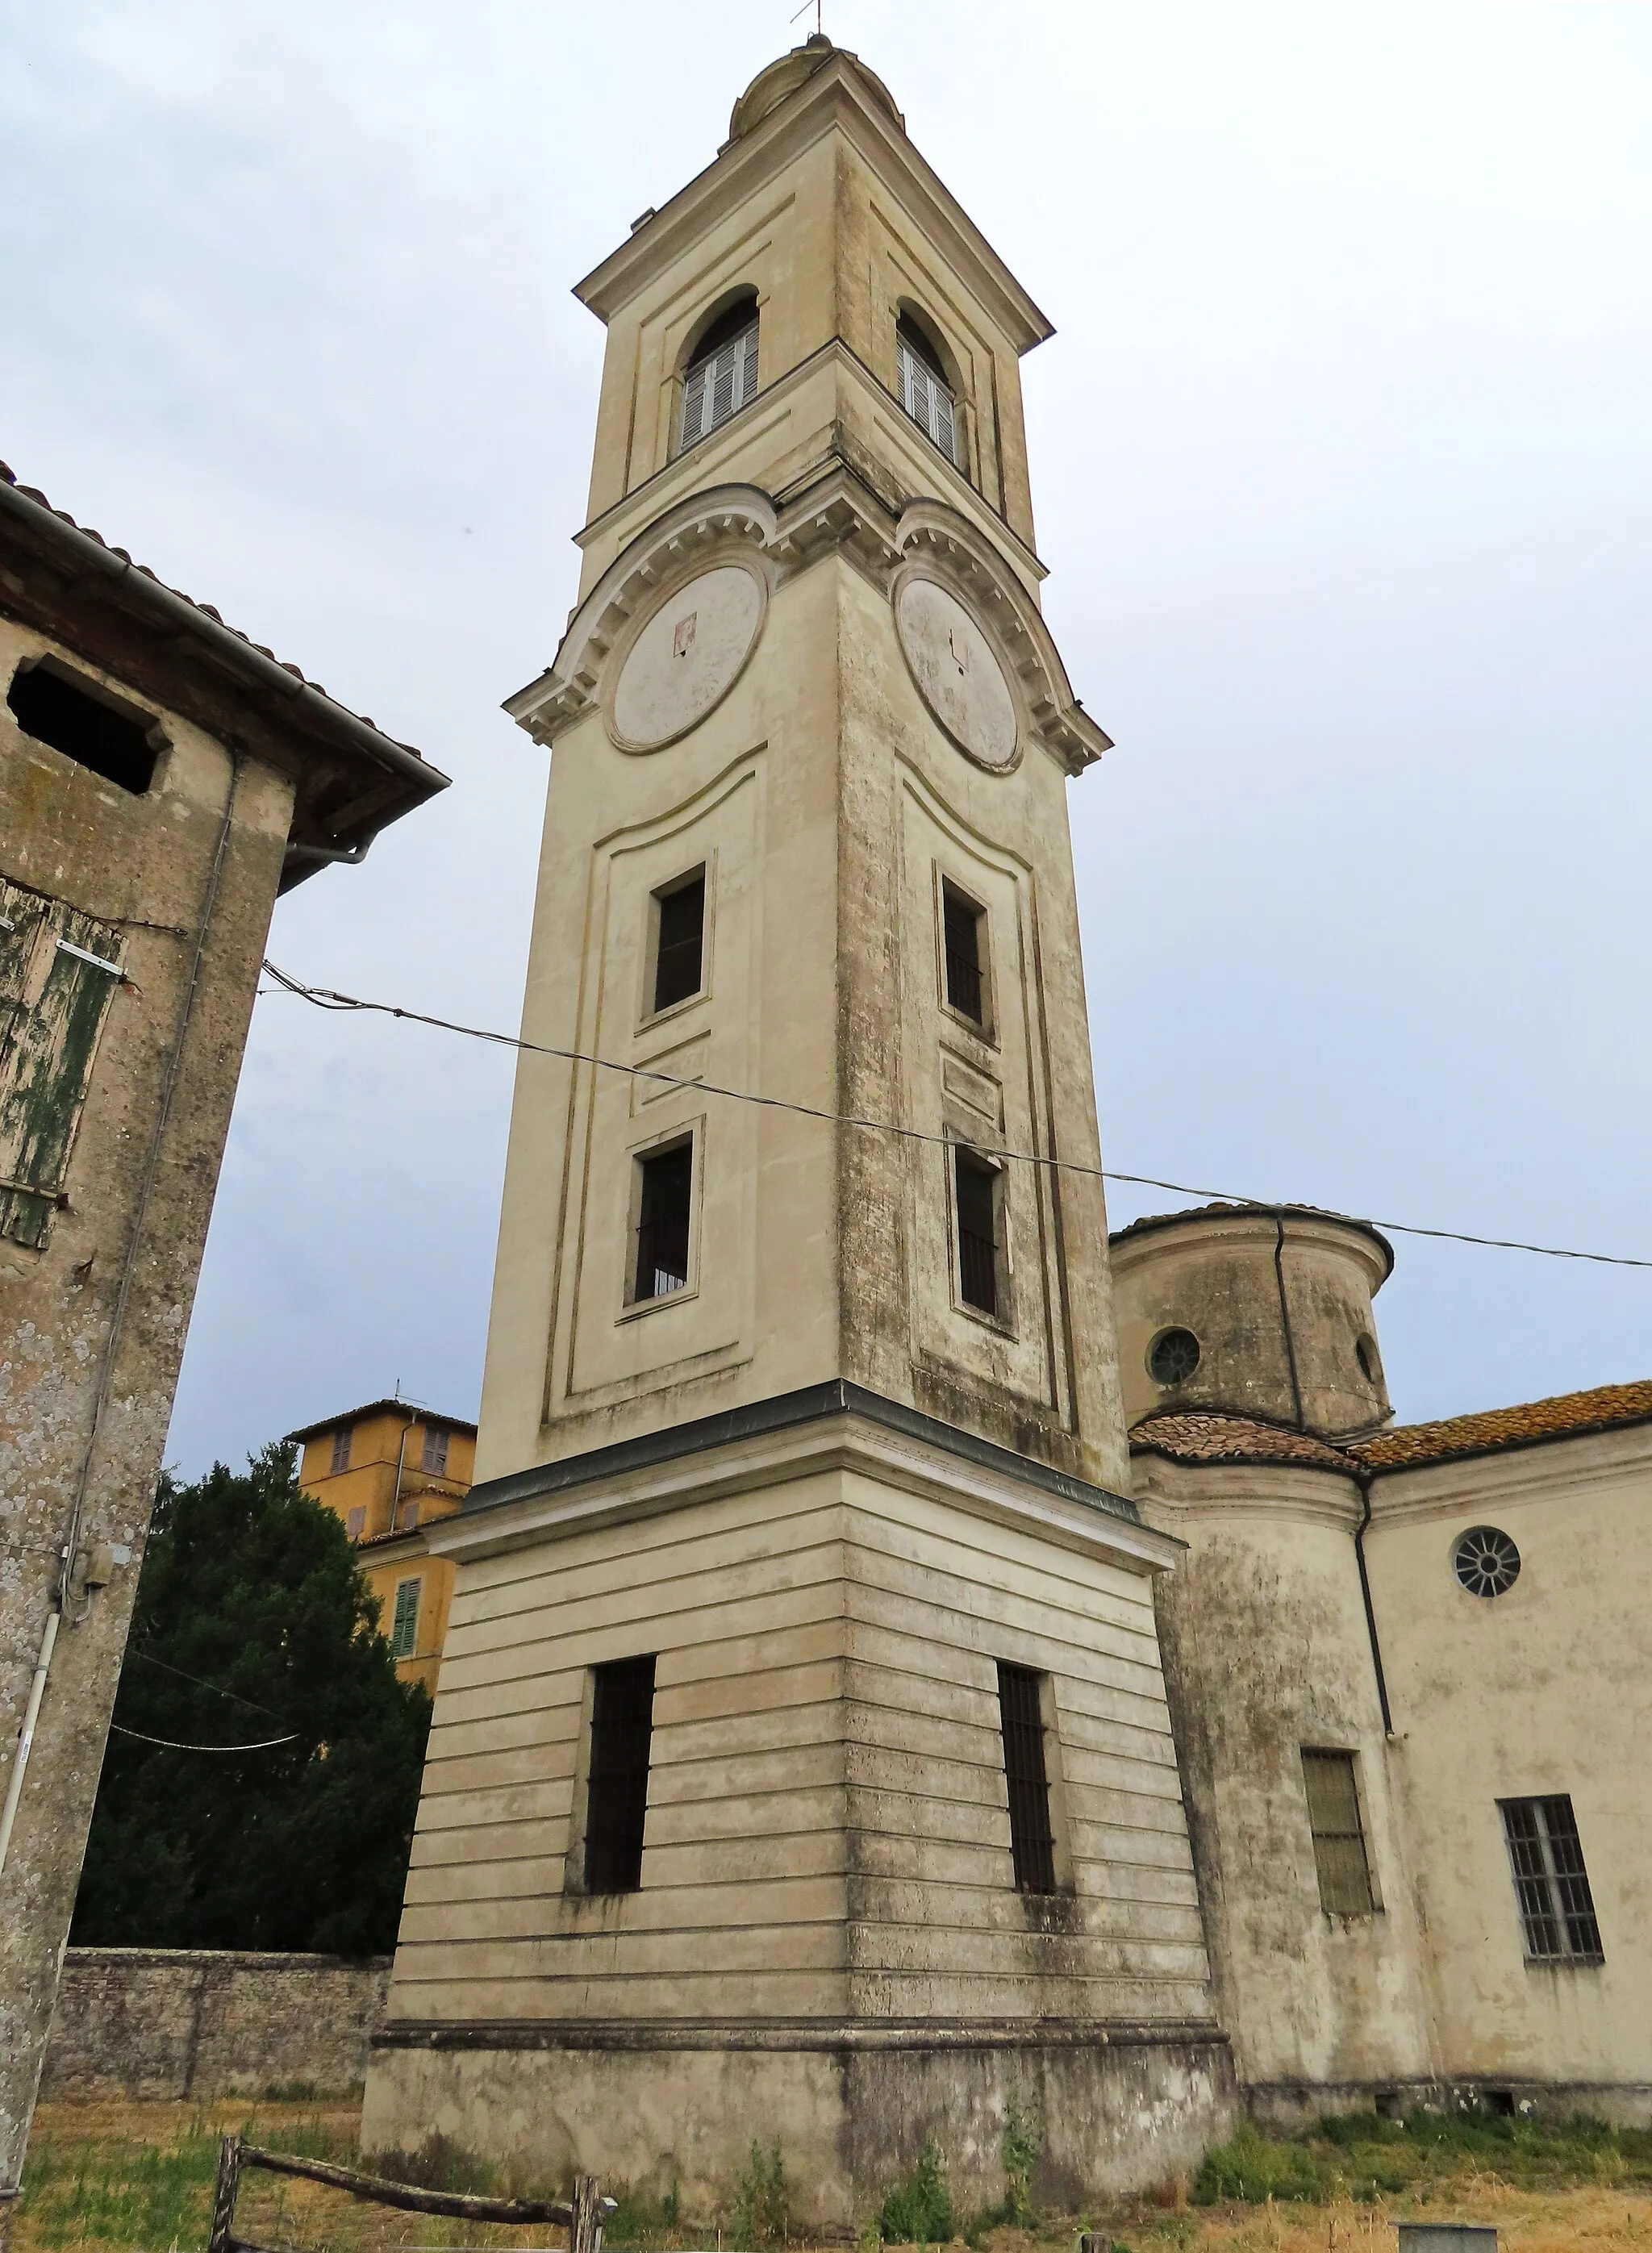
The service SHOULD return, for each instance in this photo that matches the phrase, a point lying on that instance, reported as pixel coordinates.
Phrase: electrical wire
(326, 997)
(171, 1744)
(149, 1660)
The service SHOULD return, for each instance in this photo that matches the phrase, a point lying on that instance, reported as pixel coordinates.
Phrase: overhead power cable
(171, 1745)
(149, 1660)
(325, 997)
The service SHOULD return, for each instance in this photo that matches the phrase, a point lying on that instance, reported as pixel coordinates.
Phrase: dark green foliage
(763, 2201)
(919, 2211)
(249, 1585)
(1019, 2148)
(1255, 2169)
(641, 2220)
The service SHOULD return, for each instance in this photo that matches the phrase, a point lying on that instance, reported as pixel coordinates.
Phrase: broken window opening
(73, 718)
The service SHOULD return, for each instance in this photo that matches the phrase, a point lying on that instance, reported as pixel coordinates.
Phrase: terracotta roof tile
(1565, 1417)
(1209, 1436)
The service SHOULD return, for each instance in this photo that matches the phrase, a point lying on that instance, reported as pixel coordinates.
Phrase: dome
(771, 86)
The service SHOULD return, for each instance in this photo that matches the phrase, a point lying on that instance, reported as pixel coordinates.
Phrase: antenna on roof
(819, 29)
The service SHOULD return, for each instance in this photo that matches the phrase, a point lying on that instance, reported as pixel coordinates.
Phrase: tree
(253, 1621)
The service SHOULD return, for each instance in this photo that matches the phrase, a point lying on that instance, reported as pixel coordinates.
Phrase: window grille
(679, 948)
(977, 1196)
(617, 1801)
(719, 384)
(1486, 1561)
(924, 392)
(664, 1205)
(961, 923)
(1545, 1855)
(435, 1458)
(341, 1440)
(1032, 1841)
(404, 1633)
(1339, 1836)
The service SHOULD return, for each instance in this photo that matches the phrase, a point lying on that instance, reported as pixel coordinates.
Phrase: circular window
(1487, 1562)
(1172, 1356)
(1365, 1354)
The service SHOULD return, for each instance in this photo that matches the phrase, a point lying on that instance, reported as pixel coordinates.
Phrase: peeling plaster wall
(140, 865)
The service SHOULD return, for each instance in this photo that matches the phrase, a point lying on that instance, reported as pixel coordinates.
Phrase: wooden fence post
(219, 2237)
(586, 2225)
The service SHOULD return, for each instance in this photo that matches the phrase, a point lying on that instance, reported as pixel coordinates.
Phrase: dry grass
(133, 2178)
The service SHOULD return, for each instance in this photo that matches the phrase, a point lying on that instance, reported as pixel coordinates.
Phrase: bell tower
(801, 1767)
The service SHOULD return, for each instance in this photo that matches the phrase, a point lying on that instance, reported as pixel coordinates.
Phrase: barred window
(1552, 1885)
(665, 1209)
(723, 376)
(963, 934)
(617, 1798)
(1338, 1837)
(404, 1632)
(978, 1189)
(435, 1458)
(923, 389)
(341, 1440)
(1031, 1837)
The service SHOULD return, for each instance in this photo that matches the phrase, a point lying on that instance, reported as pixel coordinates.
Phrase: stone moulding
(836, 513)
(791, 2033)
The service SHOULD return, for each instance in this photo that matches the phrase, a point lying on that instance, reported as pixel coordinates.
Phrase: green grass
(1361, 2156)
(151, 2198)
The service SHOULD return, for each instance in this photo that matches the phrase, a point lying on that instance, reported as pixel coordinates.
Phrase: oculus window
(1486, 1561)
(1172, 1356)
(616, 1792)
(722, 376)
(1552, 1885)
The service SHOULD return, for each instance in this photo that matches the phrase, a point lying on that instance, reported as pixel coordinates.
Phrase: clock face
(957, 672)
(686, 657)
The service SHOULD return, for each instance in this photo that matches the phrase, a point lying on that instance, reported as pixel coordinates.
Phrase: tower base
(663, 2107)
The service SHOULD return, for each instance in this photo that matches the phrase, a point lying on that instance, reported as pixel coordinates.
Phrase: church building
(843, 1740)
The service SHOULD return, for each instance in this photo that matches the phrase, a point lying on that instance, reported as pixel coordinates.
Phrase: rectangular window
(1032, 1840)
(404, 1633)
(435, 1458)
(1557, 1908)
(978, 1191)
(341, 1449)
(927, 400)
(1339, 1836)
(962, 932)
(665, 1196)
(719, 386)
(680, 940)
(617, 1801)
(356, 1524)
(58, 970)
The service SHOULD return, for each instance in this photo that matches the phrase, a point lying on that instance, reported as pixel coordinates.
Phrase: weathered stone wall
(155, 2022)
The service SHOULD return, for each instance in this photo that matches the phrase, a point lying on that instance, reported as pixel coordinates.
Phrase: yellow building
(389, 1470)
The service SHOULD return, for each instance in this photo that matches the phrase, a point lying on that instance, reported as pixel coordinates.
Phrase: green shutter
(404, 1635)
(58, 970)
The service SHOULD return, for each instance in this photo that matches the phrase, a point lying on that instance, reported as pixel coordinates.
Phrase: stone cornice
(782, 2034)
(830, 97)
(836, 512)
(1559, 1469)
(835, 1426)
(1238, 1494)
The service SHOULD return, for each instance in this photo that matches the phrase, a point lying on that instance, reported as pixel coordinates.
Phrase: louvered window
(58, 970)
(1032, 1840)
(435, 1458)
(1545, 1854)
(1338, 1837)
(720, 382)
(617, 1801)
(924, 392)
(404, 1634)
(341, 1440)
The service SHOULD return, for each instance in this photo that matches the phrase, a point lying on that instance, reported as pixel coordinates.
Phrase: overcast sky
(1340, 460)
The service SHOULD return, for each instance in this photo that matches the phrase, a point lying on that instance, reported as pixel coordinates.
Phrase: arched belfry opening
(927, 382)
(720, 372)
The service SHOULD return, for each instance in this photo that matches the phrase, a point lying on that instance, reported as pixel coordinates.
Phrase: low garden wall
(158, 2022)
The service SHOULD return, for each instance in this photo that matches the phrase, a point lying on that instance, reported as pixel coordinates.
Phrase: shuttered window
(1552, 1885)
(356, 1522)
(404, 1634)
(924, 390)
(1032, 1840)
(1338, 1837)
(341, 1440)
(59, 970)
(616, 1800)
(719, 383)
(435, 1458)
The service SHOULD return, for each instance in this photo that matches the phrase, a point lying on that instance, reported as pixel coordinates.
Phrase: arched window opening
(722, 376)
(925, 392)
